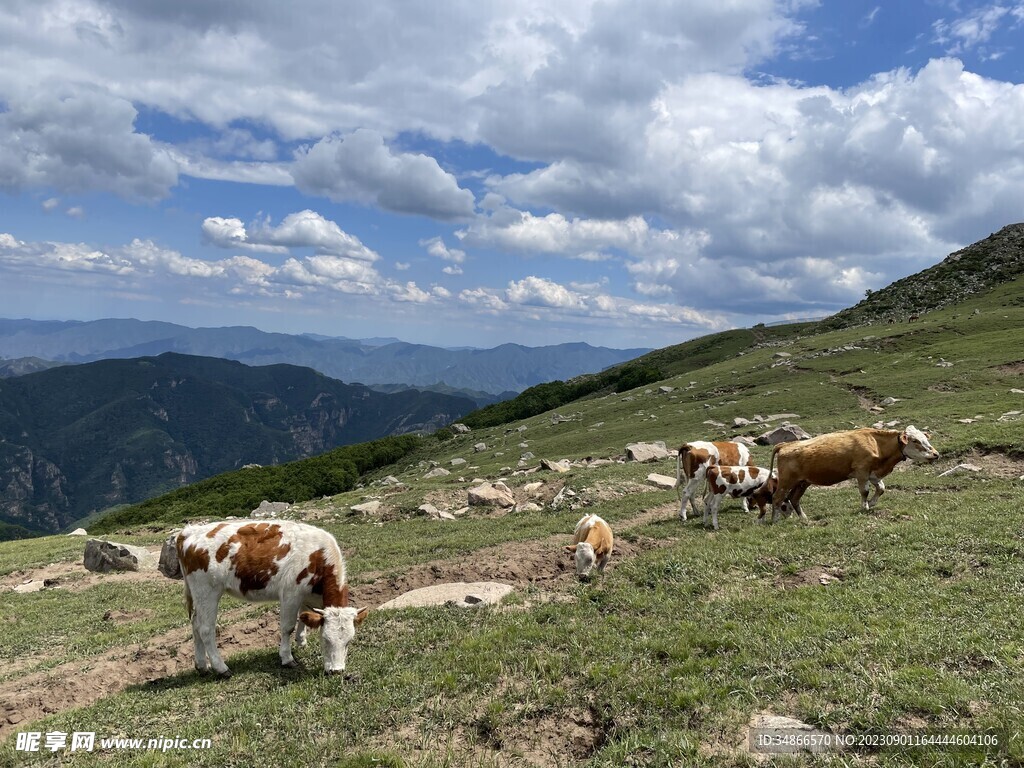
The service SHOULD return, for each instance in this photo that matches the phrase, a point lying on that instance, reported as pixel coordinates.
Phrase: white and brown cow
(592, 543)
(296, 564)
(693, 460)
(864, 455)
(750, 483)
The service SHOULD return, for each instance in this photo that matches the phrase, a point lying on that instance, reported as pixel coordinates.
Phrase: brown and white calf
(864, 455)
(293, 563)
(693, 460)
(592, 543)
(750, 483)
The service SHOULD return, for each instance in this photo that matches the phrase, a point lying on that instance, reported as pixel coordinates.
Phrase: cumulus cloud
(360, 167)
(976, 27)
(435, 247)
(304, 229)
(78, 140)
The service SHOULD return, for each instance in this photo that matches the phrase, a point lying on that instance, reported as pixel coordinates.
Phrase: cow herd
(302, 567)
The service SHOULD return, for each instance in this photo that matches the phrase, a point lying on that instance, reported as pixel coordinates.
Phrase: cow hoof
(225, 674)
(290, 664)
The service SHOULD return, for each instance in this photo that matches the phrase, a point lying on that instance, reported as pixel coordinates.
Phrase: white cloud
(50, 204)
(435, 247)
(76, 212)
(78, 139)
(304, 229)
(402, 266)
(452, 269)
(360, 167)
(975, 28)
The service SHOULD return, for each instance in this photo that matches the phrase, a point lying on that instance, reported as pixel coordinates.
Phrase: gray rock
(79, 532)
(391, 480)
(647, 451)
(459, 594)
(434, 513)
(528, 507)
(488, 494)
(269, 509)
(666, 390)
(168, 564)
(436, 472)
(527, 456)
(661, 481)
(782, 434)
(781, 355)
(739, 421)
(1009, 416)
(891, 401)
(961, 469)
(461, 429)
(107, 556)
(371, 507)
(35, 585)
(555, 466)
(458, 462)
(781, 416)
(480, 447)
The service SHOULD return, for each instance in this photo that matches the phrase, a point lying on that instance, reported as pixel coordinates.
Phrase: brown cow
(693, 460)
(866, 455)
(592, 542)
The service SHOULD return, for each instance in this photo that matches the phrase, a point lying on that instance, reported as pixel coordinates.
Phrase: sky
(628, 174)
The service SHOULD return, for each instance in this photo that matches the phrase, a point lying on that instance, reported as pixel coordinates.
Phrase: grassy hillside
(905, 619)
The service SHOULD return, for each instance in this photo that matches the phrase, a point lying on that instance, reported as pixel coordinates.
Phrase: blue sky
(464, 173)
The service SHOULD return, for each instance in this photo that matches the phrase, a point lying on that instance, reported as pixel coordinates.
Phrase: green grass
(664, 660)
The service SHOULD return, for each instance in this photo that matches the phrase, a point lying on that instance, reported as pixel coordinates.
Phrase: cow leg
(879, 490)
(709, 500)
(689, 494)
(204, 624)
(603, 561)
(300, 635)
(863, 485)
(794, 500)
(746, 504)
(717, 502)
(289, 618)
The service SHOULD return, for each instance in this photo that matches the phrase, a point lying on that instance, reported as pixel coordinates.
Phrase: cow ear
(311, 619)
(344, 596)
(361, 616)
(903, 438)
(570, 547)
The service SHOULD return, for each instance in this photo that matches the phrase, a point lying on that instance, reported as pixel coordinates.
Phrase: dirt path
(84, 681)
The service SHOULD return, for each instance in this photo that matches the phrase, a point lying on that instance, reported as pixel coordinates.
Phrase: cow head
(338, 627)
(584, 558)
(914, 444)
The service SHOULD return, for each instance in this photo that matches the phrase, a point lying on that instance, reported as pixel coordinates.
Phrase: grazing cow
(296, 564)
(693, 460)
(748, 483)
(592, 542)
(866, 455)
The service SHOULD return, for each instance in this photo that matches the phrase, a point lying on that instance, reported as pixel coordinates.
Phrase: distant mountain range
(77, 439)
(506, 369)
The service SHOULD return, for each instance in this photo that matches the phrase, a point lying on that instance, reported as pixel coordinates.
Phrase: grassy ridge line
(238, 492)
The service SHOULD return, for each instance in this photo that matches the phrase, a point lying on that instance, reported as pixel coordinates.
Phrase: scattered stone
(521, 428)
(1017, 391)
(891, 401)
(1009, 416)
(599, 462)
(391, 480)
(461, 429)
(597, 424)
(527, 456)
(666, 390)
(744, 439)
(555, 466)
(35, 585)
(647, 451)
(436, 472)
(105, 556)
(367, 508)
(713, 423)
(458, 462)
(269, 509)
(960, 469)
(529, 507)
(661, 481)
(783, 434)
(480, 447)
(767, 725)
(532, 488)
(79, 532)
(781, 416)
(562, 496)
(943, 364)
(168, 564)
(739, 421)
(491, 494)
(434, 513)
(967, 421)
(458, 593)
(876, 409)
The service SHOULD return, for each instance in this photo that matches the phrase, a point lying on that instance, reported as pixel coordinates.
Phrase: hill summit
(975, 269)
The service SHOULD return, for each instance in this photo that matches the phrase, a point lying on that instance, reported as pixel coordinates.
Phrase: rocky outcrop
(647, 451)
(106, 556)
(491, 494)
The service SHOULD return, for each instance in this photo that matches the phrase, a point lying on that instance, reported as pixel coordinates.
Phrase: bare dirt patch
(72, 577)
(994, 464)
(815, 576)
(1015, 369)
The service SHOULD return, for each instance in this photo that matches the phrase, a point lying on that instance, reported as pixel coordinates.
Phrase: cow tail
(188, 600)
(771, 465)
(679, 472)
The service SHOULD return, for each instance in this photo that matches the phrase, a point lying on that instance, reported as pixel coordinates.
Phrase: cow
(592, 543)
(293, 563)
(749, 483)
(865, 455)
(692, 462)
